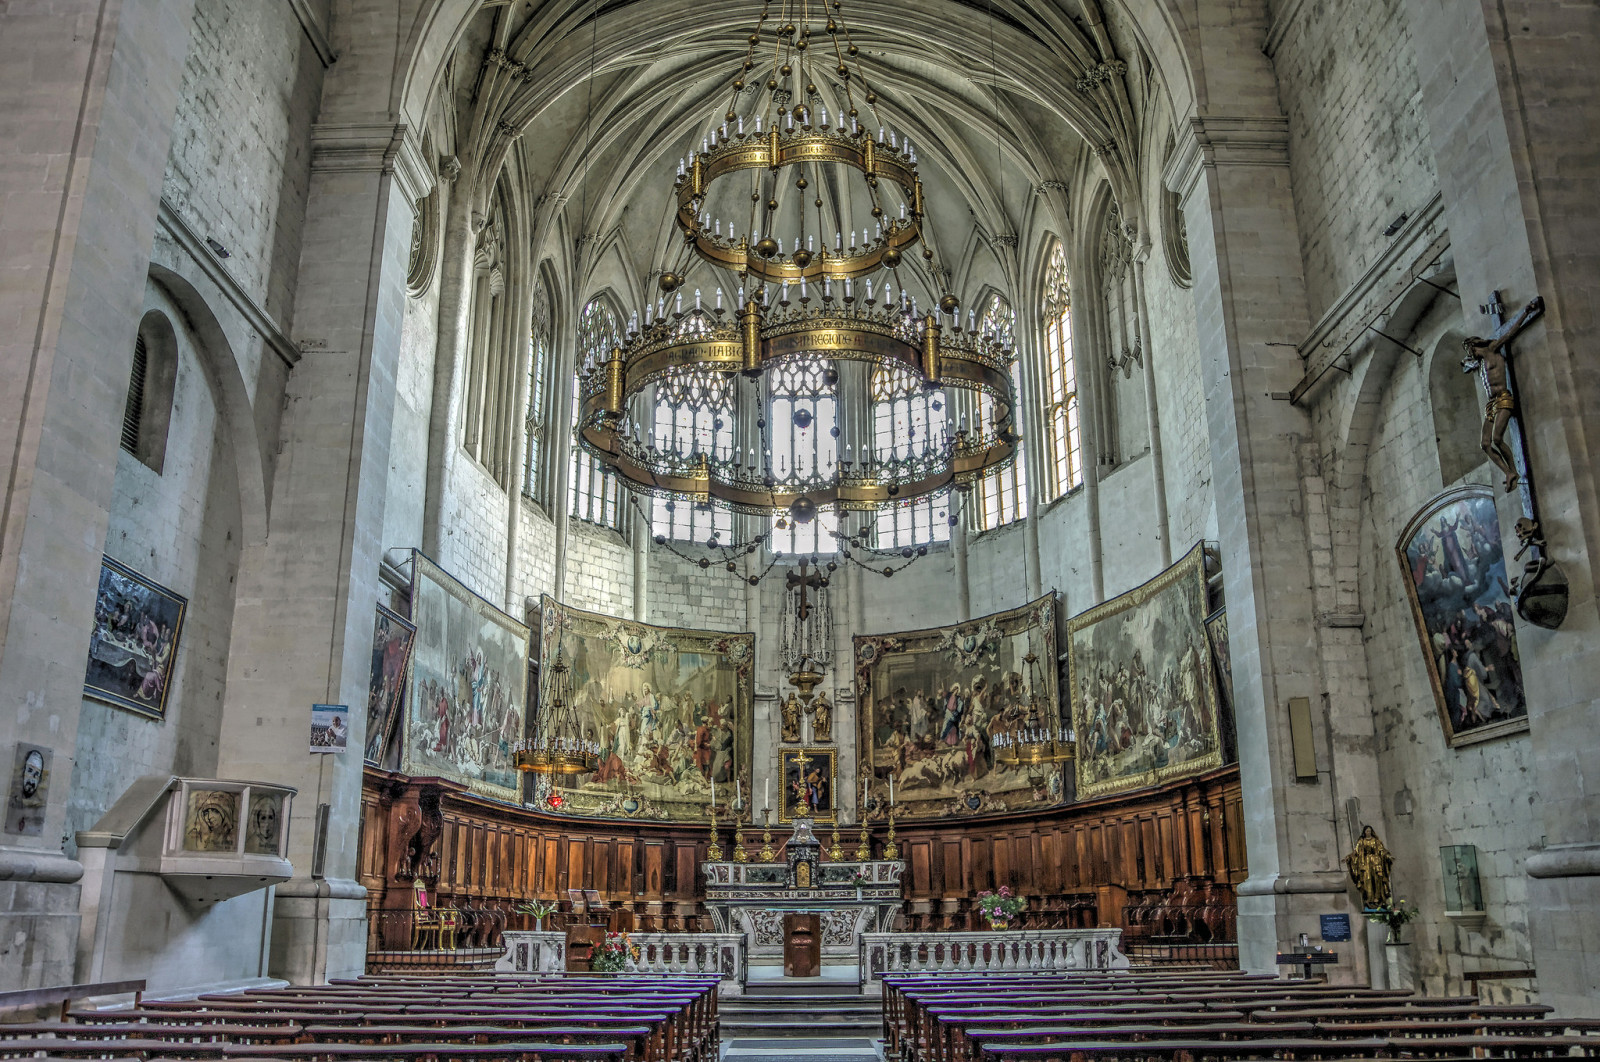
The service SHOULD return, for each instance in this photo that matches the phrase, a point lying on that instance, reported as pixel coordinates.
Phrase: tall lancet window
(594, 491)
(1002, 497)
(802, 418)
(909, 421)
(693, 416)
(1061, 380)
(538, 366)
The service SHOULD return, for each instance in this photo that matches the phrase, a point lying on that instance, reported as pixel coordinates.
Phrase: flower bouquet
(999, 908)
(614, 954)
(1395, 914)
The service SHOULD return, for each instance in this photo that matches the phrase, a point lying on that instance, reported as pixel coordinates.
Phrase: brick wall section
(239, 158)
(1358, 152)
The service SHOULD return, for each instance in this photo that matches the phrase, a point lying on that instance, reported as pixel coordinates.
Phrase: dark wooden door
(582, 942)
(802, 945)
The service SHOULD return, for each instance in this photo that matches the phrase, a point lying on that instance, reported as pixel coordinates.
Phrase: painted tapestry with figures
(467, 693)
(670, 707)
(1144, 698)
(931, 699)
(1455, 578)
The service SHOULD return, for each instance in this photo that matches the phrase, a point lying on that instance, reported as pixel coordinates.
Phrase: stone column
(1152, 411)
(1232, 172)
(306, 596)
(1511, 95)
(90, 90)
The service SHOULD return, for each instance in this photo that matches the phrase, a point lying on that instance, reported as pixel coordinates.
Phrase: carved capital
(393, 150)
(1225, 140)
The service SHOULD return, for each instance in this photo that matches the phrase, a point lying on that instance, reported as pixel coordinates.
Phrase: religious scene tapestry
(391, 652)
(808, 779)
(929, 701)
(1455, 577)
(467, 693)
(1144, 699)
(671, 709)
(134, 643)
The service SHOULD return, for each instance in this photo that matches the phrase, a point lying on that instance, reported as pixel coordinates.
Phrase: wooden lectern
(802, 945)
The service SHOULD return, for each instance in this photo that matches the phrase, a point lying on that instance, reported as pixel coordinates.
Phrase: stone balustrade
(533, 951)
(530, 951)
(993, 951)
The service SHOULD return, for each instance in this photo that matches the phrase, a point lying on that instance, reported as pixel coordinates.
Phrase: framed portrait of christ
(1454, 572)
(1144, 696)
(466, 698)
(928, 702)
(670, 707)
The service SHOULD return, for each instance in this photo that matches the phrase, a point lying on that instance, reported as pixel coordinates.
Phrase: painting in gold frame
(928, 701)
(809, 778)
(671, 708)
(1143, 692)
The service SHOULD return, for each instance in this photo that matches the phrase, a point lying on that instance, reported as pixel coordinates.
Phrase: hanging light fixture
(1041, 739)
(805, 646)
(558, 745)
(815, 271)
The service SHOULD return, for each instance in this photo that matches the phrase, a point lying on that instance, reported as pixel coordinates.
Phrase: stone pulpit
(849, 899)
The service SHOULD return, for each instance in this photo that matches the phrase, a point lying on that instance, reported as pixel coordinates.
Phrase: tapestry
(1144, 701)
(1455, 577)
(809, 776)
(671, 708)
(134, 642)
(929, 700)
(391, 651)
(467, 692)
(1217, 633)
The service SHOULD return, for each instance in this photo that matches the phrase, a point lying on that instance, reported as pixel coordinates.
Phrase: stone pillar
(1232, 172)
(307, 595)
(1152, 411)
(90, 91)
(1511, 95)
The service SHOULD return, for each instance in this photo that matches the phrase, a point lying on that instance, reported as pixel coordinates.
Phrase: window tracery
(909, 421)
(803, 429)
(693, 416)
(594, 493)
(1062, 427)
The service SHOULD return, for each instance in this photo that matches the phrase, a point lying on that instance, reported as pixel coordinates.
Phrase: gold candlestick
(739, 853)
(714, 850)
(835, 853)
(864, 849)
(891, 850)
(767, 854)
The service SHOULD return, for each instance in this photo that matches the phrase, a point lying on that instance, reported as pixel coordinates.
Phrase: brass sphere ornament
(670, 282)
(949, 303)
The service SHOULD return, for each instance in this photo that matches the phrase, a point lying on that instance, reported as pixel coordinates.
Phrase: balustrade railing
(994, 951)
(531, 951)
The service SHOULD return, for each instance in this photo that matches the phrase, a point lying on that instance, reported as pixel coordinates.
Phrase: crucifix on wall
(1541, 590)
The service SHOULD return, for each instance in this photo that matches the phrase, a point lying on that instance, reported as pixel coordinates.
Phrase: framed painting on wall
(391, 653)
(809, 776)
(1144, 700)
(671, 708)
(1454, 571)
(134, 643)
(467, 692)
(927, 702)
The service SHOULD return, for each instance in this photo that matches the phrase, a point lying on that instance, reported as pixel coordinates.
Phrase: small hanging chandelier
(799, 291)
(558, 746)
(806, 642)
(1041, 739)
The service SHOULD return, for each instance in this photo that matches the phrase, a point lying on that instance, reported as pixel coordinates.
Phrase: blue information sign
(1335, 927)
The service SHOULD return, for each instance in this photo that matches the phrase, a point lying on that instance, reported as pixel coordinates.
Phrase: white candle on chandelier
(902, 211)
(810, 242)
(789, 125)
(802, 287)
(838, 242)
(704, 146)
(869, 289)
(741, 296)
(719, 298)
(847, 292)
(661, 308)
(677, 303)
(824, 112)
(827, 287)
(696, 300)
(785, 296)
(741, 125)
(758, 125)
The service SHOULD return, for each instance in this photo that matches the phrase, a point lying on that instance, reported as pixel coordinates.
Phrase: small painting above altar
(931, 699)
(1144, 700)
(670, 707)
(808, 780)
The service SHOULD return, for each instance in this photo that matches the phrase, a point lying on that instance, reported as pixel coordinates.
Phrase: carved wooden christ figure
(1490, 356)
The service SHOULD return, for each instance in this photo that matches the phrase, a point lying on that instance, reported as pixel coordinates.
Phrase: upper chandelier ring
(737, 150)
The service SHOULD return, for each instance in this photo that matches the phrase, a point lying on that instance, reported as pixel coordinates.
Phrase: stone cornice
(314, 31)
(254, 314)
(395, 150)
(1420, 243)
(1225, 140)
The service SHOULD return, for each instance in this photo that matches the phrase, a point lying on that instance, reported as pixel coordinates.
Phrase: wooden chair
(427, 920)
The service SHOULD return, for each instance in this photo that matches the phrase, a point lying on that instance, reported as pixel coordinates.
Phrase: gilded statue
(822, 717)
(1490, 355)
(1369, 865)
(791, 719)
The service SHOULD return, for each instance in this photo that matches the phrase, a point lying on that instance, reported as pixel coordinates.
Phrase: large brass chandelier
(773, 198)
(559, 745)
(1041, 739)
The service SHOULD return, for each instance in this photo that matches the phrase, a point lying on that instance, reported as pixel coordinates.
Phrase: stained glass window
(594, 491)
(1002, 497)
(1061, 380)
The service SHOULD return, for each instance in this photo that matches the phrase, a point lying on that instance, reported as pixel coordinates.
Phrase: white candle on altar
(713, 797)
(766, 793)
(891, 789)
(738, 790)
(863, 795)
